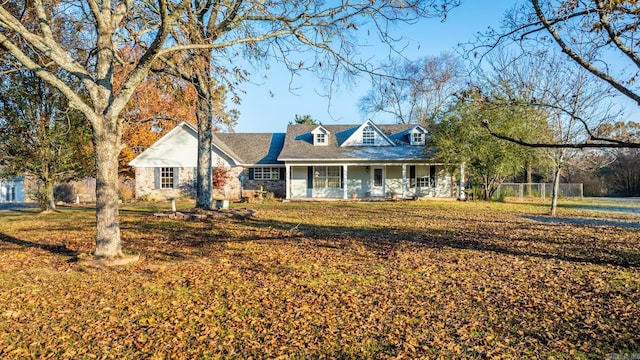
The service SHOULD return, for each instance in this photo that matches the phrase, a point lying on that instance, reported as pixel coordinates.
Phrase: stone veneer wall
(145, 185)
(277, 187)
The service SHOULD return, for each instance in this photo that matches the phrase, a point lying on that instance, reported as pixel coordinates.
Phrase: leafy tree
(304, 119)
(622, 170)
(459, 137)
(40, 136)
(31, 32)
(415, 91)
(590, 33)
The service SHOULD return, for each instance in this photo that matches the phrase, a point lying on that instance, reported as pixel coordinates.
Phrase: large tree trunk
(203, 190)
(46, 198)
(204, 110)
(556, 190)
(107, 148)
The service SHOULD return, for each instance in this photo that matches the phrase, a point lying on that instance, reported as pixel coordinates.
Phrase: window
(166, 178)
(10, 194)
(321, 138)
(423, 182)
(368, 135)
(327, 177)
(417, 138)
(266, 173)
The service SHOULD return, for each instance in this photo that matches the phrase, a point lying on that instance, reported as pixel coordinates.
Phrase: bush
(64, 192)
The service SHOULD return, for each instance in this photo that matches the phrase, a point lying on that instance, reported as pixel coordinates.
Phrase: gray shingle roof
(298, 144)
(261, 149)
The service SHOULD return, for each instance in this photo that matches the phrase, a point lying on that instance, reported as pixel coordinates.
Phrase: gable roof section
(179, 147)
(354, 139)
(298, 145)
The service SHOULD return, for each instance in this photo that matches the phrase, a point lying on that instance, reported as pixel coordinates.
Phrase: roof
(251, 149)
(298, 144)
(179, 148)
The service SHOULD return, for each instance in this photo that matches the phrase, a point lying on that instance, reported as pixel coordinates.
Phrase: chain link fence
(542, 191)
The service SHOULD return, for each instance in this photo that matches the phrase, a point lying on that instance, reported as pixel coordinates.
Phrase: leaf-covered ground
(326, 280)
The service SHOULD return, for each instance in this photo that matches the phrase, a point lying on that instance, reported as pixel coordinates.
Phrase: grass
(326, 280)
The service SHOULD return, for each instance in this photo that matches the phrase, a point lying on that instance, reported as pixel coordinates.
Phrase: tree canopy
(599, 36)
(40, 136)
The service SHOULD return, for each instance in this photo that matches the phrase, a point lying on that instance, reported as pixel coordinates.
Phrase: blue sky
(269, 105)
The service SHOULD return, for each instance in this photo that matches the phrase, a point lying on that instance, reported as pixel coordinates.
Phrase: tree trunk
(107, 148)
(204, 114)
(203, 178)
(556, 190)
(529, 177)
(47, 200)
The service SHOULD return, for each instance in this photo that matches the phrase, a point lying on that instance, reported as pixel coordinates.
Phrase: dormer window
(417, 135)
(320, 136)
(368, 135)
(417, 139)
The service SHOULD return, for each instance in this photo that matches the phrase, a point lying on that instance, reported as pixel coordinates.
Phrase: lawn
(326, 280)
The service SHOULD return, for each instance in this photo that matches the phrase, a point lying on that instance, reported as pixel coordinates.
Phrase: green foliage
(304, 119)
(459, 137)
(40, 136)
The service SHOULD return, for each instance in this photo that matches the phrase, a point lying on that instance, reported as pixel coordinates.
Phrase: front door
(377, 182)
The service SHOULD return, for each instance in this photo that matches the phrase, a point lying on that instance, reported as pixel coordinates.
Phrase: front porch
(368, 181)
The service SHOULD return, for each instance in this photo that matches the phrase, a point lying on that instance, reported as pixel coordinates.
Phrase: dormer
(417, 135)
(368, 134)
(320, 136)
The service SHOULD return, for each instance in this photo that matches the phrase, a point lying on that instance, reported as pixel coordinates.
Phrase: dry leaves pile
(318, 280)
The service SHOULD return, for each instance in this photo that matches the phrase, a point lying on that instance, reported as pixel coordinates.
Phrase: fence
(538, 190)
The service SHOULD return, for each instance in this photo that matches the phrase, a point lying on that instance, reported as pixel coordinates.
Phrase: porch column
(287, 181)
(345, 191)
(461, 195)
(404, 181)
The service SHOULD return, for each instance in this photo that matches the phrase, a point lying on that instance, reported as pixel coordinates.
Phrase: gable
(179, 148)
(367, 134)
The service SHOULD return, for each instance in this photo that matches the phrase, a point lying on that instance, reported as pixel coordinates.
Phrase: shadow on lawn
(384, 241)
(55, 249)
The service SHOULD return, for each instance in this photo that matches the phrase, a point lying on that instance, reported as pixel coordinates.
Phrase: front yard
(326, 280)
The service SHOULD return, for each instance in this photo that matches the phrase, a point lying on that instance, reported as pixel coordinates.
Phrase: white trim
(350, 141)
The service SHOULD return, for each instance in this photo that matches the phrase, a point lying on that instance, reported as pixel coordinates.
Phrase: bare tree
(564, 97)
(590, 33)
(241, 28)
(415, 91)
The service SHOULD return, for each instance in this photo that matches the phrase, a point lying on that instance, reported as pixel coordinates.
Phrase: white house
(306, 162)
(12, 190)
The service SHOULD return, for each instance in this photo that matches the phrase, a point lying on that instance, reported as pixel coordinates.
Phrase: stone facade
(146, 185)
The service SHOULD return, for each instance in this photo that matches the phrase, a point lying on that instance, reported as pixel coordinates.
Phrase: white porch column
(287, 182)
(461, 195)
(404, 181)
(345, 191)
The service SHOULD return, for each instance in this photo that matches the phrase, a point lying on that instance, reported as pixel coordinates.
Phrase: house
(167, 169)
(12, 190)
(306, 162)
